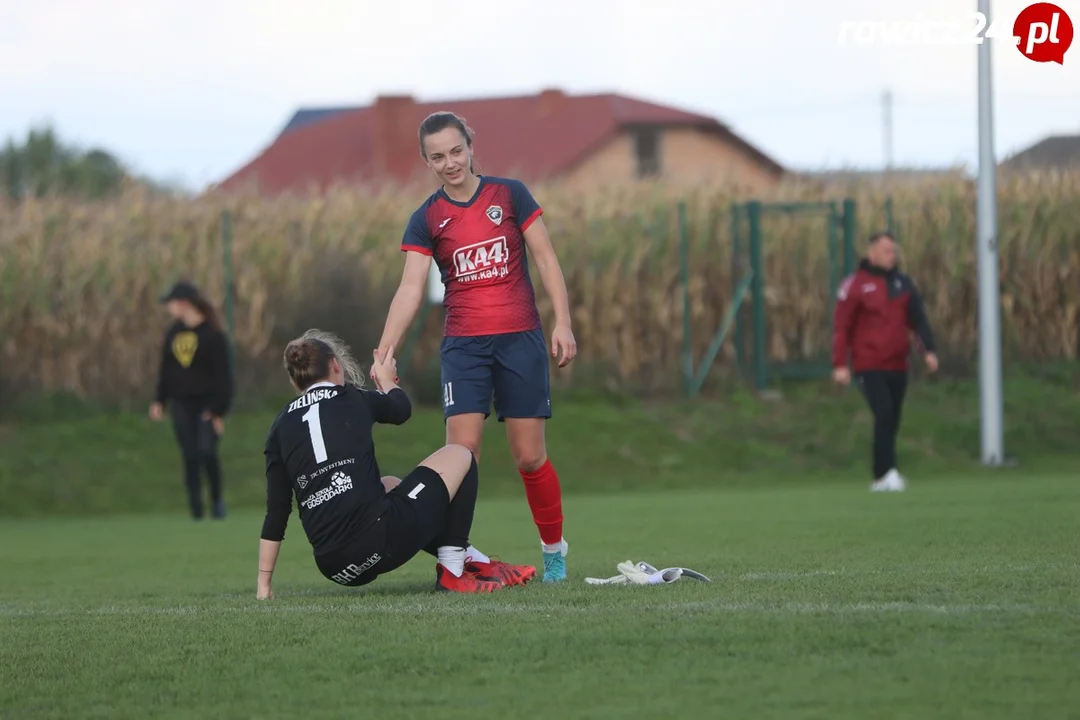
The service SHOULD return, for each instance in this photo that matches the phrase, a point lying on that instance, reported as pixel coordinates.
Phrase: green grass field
(57, 461)
(957, 599)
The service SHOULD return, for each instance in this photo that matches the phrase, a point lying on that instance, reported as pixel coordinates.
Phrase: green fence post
(736, 269)
(834, 260)
(851, 228)
(758, 293)
(834, 251)
(227, 263)
(684, 272)
(718, 339)
(660, 228)
(889, 215)
(230, 288)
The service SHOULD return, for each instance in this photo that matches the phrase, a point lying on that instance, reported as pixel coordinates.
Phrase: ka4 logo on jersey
(495, 214)
(483, 260)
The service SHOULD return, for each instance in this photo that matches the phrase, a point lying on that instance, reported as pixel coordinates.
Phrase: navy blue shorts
(511, 369)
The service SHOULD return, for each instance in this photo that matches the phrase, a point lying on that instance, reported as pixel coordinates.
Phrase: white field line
(487, 606)
(365, 604)
(952, 570)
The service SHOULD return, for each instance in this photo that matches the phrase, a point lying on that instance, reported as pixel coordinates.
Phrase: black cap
(182, 290)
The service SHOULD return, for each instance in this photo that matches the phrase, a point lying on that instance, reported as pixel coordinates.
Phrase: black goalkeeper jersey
(320, 449)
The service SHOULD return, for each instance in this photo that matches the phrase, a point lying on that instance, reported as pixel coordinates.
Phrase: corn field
(79, 282)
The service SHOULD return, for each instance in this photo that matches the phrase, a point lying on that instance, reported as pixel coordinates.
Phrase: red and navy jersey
(479, 246)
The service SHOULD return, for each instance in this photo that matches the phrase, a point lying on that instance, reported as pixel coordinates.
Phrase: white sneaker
(892, 482)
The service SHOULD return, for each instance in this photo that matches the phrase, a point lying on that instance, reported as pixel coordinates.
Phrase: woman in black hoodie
(195, 381)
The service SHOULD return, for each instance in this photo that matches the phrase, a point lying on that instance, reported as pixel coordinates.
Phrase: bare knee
(472, 447)
(527, 445)
(452, 462)
(467, 431)
(530, 461)
(390, 482)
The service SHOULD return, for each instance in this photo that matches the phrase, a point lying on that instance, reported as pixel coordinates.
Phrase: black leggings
(884, 391)
(199, 448)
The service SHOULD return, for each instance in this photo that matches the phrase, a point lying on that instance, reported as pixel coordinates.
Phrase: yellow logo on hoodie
(184, 346)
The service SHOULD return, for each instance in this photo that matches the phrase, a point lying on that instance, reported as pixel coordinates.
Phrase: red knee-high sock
(545, 500)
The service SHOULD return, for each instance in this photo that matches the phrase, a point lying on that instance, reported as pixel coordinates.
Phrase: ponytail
(207, 310)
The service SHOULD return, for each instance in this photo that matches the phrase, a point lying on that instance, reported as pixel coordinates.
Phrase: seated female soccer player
(320, 448)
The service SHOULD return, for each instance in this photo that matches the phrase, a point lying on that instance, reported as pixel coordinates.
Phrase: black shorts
(413, 515)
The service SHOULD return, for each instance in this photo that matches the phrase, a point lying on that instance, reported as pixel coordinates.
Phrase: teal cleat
(555, 564)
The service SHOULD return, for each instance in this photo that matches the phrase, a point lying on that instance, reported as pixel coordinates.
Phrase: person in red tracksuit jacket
(877, 309)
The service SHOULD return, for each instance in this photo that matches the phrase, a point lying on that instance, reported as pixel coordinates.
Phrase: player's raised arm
(390, 405)
(418, 248)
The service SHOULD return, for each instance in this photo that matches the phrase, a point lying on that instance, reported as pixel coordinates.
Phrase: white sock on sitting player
(559, 547)
(453, 559)
(474, 555)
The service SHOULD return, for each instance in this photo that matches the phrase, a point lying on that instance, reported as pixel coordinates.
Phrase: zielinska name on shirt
(312, 397)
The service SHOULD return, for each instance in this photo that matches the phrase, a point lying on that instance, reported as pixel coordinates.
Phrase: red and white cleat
(501, 572)
(446, 581)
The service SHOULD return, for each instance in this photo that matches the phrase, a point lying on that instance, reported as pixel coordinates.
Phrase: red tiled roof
(534, 138)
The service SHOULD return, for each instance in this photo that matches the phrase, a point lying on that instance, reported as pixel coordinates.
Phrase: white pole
(887, 127)
(993, 451)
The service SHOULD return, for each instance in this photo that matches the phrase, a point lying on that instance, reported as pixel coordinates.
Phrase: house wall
(686, 156)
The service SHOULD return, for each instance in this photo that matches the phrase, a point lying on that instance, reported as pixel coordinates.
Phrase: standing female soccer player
(477, 229)
(195, 381)
(360, 525)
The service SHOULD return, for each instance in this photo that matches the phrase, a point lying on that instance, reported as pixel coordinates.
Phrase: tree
(43, 165)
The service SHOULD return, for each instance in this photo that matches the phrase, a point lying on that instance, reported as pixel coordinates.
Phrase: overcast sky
(188, 90)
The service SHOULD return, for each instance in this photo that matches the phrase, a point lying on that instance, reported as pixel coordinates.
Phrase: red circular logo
(1043, 33)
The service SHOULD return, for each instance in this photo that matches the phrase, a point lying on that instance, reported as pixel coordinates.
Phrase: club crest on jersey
(495, 214)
